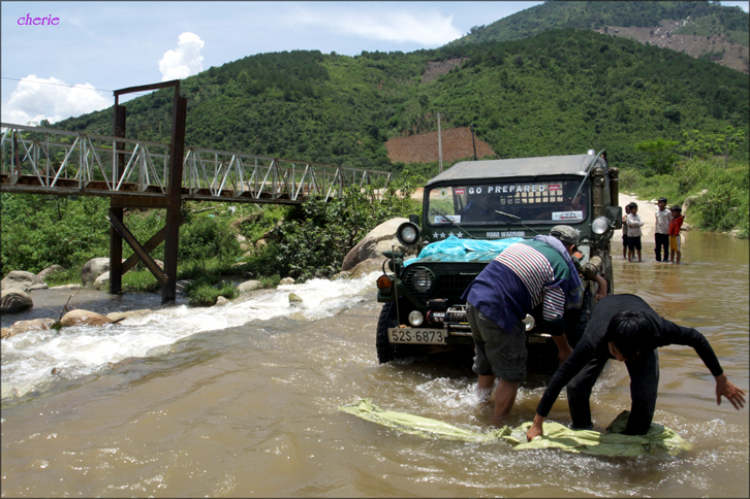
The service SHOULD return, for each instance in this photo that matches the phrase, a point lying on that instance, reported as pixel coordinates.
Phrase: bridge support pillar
(174, 190)
(115, 239)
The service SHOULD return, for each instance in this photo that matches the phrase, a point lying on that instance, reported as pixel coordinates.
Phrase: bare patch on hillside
(436, 69)
(734, 55)
(423, 148)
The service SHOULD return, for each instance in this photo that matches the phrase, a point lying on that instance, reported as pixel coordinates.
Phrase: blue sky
(71, 68)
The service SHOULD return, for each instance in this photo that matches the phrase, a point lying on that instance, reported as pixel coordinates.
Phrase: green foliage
(208, 237)
(660, 155)
(315, 243)
(204, 292)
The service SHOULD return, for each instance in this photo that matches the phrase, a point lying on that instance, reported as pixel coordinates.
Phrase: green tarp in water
(658, 441)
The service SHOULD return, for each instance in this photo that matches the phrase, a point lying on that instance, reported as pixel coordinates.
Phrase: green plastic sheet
(659, 440)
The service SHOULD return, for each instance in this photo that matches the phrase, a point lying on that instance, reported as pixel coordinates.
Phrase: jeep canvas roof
(498, 168)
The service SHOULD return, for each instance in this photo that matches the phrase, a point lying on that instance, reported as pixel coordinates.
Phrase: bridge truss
(59, 162)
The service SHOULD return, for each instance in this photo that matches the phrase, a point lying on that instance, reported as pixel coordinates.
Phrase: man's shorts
(634, 243)
(674, 243)
(497, 351)
(625, 240)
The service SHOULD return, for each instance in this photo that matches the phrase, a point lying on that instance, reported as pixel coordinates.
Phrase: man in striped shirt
(524, 275)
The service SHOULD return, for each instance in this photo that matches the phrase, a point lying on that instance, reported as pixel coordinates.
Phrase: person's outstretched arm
(726, 388)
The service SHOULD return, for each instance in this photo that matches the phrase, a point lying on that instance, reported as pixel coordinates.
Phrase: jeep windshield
(533, 202)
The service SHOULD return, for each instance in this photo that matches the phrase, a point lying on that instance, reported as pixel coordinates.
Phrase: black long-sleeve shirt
(595, 344)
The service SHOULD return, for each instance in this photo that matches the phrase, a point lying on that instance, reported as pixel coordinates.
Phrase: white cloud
(35, 99)
(185, 60)
(425, 28)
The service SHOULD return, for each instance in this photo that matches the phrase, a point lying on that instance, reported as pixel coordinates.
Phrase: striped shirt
(524, 275)
(536, 272)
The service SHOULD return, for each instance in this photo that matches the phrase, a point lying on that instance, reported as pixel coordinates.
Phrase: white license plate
(418, 336)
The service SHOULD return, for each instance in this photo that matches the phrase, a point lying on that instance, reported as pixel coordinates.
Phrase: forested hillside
(597, 14)
(560, 92)
(701, 29)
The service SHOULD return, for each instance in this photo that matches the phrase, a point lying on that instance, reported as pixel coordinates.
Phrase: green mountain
(559, 92)
(700, 29)
(594, 15)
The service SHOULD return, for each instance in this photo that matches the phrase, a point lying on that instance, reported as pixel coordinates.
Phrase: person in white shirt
(634, 233)
(661, 230)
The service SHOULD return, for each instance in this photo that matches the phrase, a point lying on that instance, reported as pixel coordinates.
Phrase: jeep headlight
(422, 280)
(600, 226)
(416, 318)
(407, 233)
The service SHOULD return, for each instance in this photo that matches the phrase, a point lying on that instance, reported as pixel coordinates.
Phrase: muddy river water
(241, 400)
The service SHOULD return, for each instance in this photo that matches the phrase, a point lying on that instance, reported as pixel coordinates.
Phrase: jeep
(470, 212)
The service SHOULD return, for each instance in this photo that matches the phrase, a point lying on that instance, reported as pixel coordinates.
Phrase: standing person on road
(674, 234)
(634, 232)
(524, 275)
(625, 232)
(626, 328)
(661, 230)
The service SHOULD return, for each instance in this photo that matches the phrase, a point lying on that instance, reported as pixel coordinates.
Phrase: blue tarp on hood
(463, 250)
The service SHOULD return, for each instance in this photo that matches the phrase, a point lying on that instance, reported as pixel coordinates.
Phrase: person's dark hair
(633, 205)
(630, 331)
(677, 208)
(662, 200)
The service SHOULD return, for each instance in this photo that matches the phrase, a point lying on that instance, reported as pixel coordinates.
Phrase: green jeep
(470, 213)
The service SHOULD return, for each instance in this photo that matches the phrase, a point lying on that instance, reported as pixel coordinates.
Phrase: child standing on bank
(634, 232)
(674, 234)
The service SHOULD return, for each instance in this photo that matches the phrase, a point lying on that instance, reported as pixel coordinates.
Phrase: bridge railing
(51, 160)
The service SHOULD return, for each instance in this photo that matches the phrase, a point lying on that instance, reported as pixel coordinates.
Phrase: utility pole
(440, 147)
(472, 142)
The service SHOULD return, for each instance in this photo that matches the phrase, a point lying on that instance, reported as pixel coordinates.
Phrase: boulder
(381, 238)
(14, 300)
(52, 269)
(287, 280)
(691, 200)
(248, 286)
(24, 326)
(366, 267)
(80, 317)
(25, 281)
(220, 301)
(341, 275)
(93, 269)
(261, 243)
(102, 282)
(294, 299)
(130, 313)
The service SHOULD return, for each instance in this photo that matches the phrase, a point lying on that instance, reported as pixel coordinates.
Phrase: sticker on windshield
(440, 219)
(443, 193)
(567, 215)
(459, 191)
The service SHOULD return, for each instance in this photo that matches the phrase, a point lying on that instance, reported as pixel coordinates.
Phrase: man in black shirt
(625, 328)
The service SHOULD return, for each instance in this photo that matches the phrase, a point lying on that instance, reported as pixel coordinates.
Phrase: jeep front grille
(450, 286)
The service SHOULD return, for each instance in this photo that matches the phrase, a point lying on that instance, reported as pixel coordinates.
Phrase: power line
(57, 84)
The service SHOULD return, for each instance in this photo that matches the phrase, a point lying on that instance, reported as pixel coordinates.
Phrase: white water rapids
(29, 359)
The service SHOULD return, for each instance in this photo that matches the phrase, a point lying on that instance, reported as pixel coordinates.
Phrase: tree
(660, 154)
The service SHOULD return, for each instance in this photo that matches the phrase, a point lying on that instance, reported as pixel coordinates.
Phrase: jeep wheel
(387, 319)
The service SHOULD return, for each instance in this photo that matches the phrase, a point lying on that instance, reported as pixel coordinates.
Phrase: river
(241, 400)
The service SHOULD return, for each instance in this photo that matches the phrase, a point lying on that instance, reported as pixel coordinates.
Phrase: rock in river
(14, 300)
